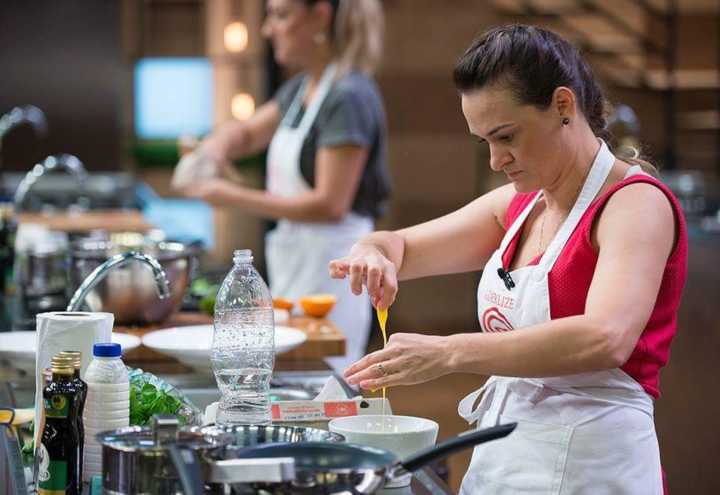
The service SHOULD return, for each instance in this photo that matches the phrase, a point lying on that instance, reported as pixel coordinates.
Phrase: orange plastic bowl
(317, 305)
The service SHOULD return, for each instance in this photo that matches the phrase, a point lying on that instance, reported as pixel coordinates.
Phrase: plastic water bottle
(107, 406)
(243, 349)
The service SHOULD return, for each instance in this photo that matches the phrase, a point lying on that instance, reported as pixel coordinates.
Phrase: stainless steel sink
(202, 390)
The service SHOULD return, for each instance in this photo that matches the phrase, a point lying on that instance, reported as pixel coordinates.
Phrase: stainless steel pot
(137, 460)
(166, 459)
(130, 291)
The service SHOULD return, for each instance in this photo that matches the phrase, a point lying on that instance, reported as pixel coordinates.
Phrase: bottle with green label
(59, 445)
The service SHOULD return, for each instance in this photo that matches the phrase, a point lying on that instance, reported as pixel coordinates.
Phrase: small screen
(173, 96)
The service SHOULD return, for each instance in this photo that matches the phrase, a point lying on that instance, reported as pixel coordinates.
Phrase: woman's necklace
(541, 243)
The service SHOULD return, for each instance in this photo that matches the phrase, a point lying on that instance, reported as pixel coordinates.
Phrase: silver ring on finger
(382, 369)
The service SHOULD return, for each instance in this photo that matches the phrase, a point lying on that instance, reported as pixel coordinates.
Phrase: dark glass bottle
(8, 228)
(79, 406)
(59, 450)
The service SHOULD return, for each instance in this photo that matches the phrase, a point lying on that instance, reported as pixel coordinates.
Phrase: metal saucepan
(339, 468)
(141, 460)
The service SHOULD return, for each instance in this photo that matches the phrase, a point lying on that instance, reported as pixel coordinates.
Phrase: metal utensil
(244, 436)
(130, 291)
(138, 460)
(165, 458)
(327, 468)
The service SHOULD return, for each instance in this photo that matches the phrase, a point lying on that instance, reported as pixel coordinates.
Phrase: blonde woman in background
(327, 176)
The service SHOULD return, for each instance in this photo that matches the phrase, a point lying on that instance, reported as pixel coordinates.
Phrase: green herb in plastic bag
(149, 395)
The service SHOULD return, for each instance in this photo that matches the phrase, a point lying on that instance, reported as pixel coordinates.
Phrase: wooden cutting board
(324, 338)
(109, 220)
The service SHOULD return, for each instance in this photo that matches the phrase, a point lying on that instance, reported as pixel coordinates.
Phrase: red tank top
(570, 278)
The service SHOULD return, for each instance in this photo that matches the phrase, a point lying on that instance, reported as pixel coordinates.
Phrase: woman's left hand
(218, 192)
(408, 358)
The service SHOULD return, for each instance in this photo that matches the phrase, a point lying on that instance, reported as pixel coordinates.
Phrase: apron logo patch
(494, 321)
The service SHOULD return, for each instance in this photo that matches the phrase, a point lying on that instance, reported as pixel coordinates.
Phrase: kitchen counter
(324, 338)
(83, 222)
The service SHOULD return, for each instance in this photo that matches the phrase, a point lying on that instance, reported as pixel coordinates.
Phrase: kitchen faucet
(67, 162)
(99, 273)
(27, 114)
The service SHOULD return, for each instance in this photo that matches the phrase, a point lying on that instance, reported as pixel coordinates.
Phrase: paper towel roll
(66, 331)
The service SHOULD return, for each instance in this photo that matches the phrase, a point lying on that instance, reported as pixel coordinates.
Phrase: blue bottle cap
(108, 349)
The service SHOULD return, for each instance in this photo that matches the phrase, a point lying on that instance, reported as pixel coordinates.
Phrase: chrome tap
(27, 114)
(70, 163)
(161, 281)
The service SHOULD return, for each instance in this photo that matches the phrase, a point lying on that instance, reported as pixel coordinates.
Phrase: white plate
(191, 345)
(19, 348)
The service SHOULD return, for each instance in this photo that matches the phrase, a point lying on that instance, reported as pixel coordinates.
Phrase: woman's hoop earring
(565, 121)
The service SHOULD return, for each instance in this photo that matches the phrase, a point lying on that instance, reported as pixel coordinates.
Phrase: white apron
(586, 433)
(298, 253)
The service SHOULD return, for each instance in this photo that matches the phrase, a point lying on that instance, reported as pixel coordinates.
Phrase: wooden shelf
(702, 120)
(688, 6)
(616, 36)
(684, 79)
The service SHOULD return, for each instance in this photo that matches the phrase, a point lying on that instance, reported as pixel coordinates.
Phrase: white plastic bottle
(107, 406)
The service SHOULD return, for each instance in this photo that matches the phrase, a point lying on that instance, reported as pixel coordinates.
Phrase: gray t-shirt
(352, 113)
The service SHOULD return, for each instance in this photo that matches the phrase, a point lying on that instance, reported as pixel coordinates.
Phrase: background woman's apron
(585, 433)
(298, 253)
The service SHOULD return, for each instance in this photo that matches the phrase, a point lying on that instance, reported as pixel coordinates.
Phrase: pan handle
(460, 442)
(188, 469)
(272, 470)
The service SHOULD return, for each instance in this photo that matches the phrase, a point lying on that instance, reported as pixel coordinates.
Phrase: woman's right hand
(367, 265)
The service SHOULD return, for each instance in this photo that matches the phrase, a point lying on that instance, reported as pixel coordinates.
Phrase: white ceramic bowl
(18, 348)
(191, 345)
(401, 435)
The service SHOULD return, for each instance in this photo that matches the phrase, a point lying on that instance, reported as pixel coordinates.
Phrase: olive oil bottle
(59, 445)
(82, 389)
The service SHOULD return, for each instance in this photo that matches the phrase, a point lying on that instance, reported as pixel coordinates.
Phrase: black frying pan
(355, 469)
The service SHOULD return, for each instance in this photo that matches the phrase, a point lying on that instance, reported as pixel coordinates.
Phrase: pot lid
(164, 429)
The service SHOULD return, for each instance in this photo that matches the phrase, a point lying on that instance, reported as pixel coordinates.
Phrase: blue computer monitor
(173, 96)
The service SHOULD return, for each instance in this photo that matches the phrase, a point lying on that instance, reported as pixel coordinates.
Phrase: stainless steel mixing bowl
(129, 291)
